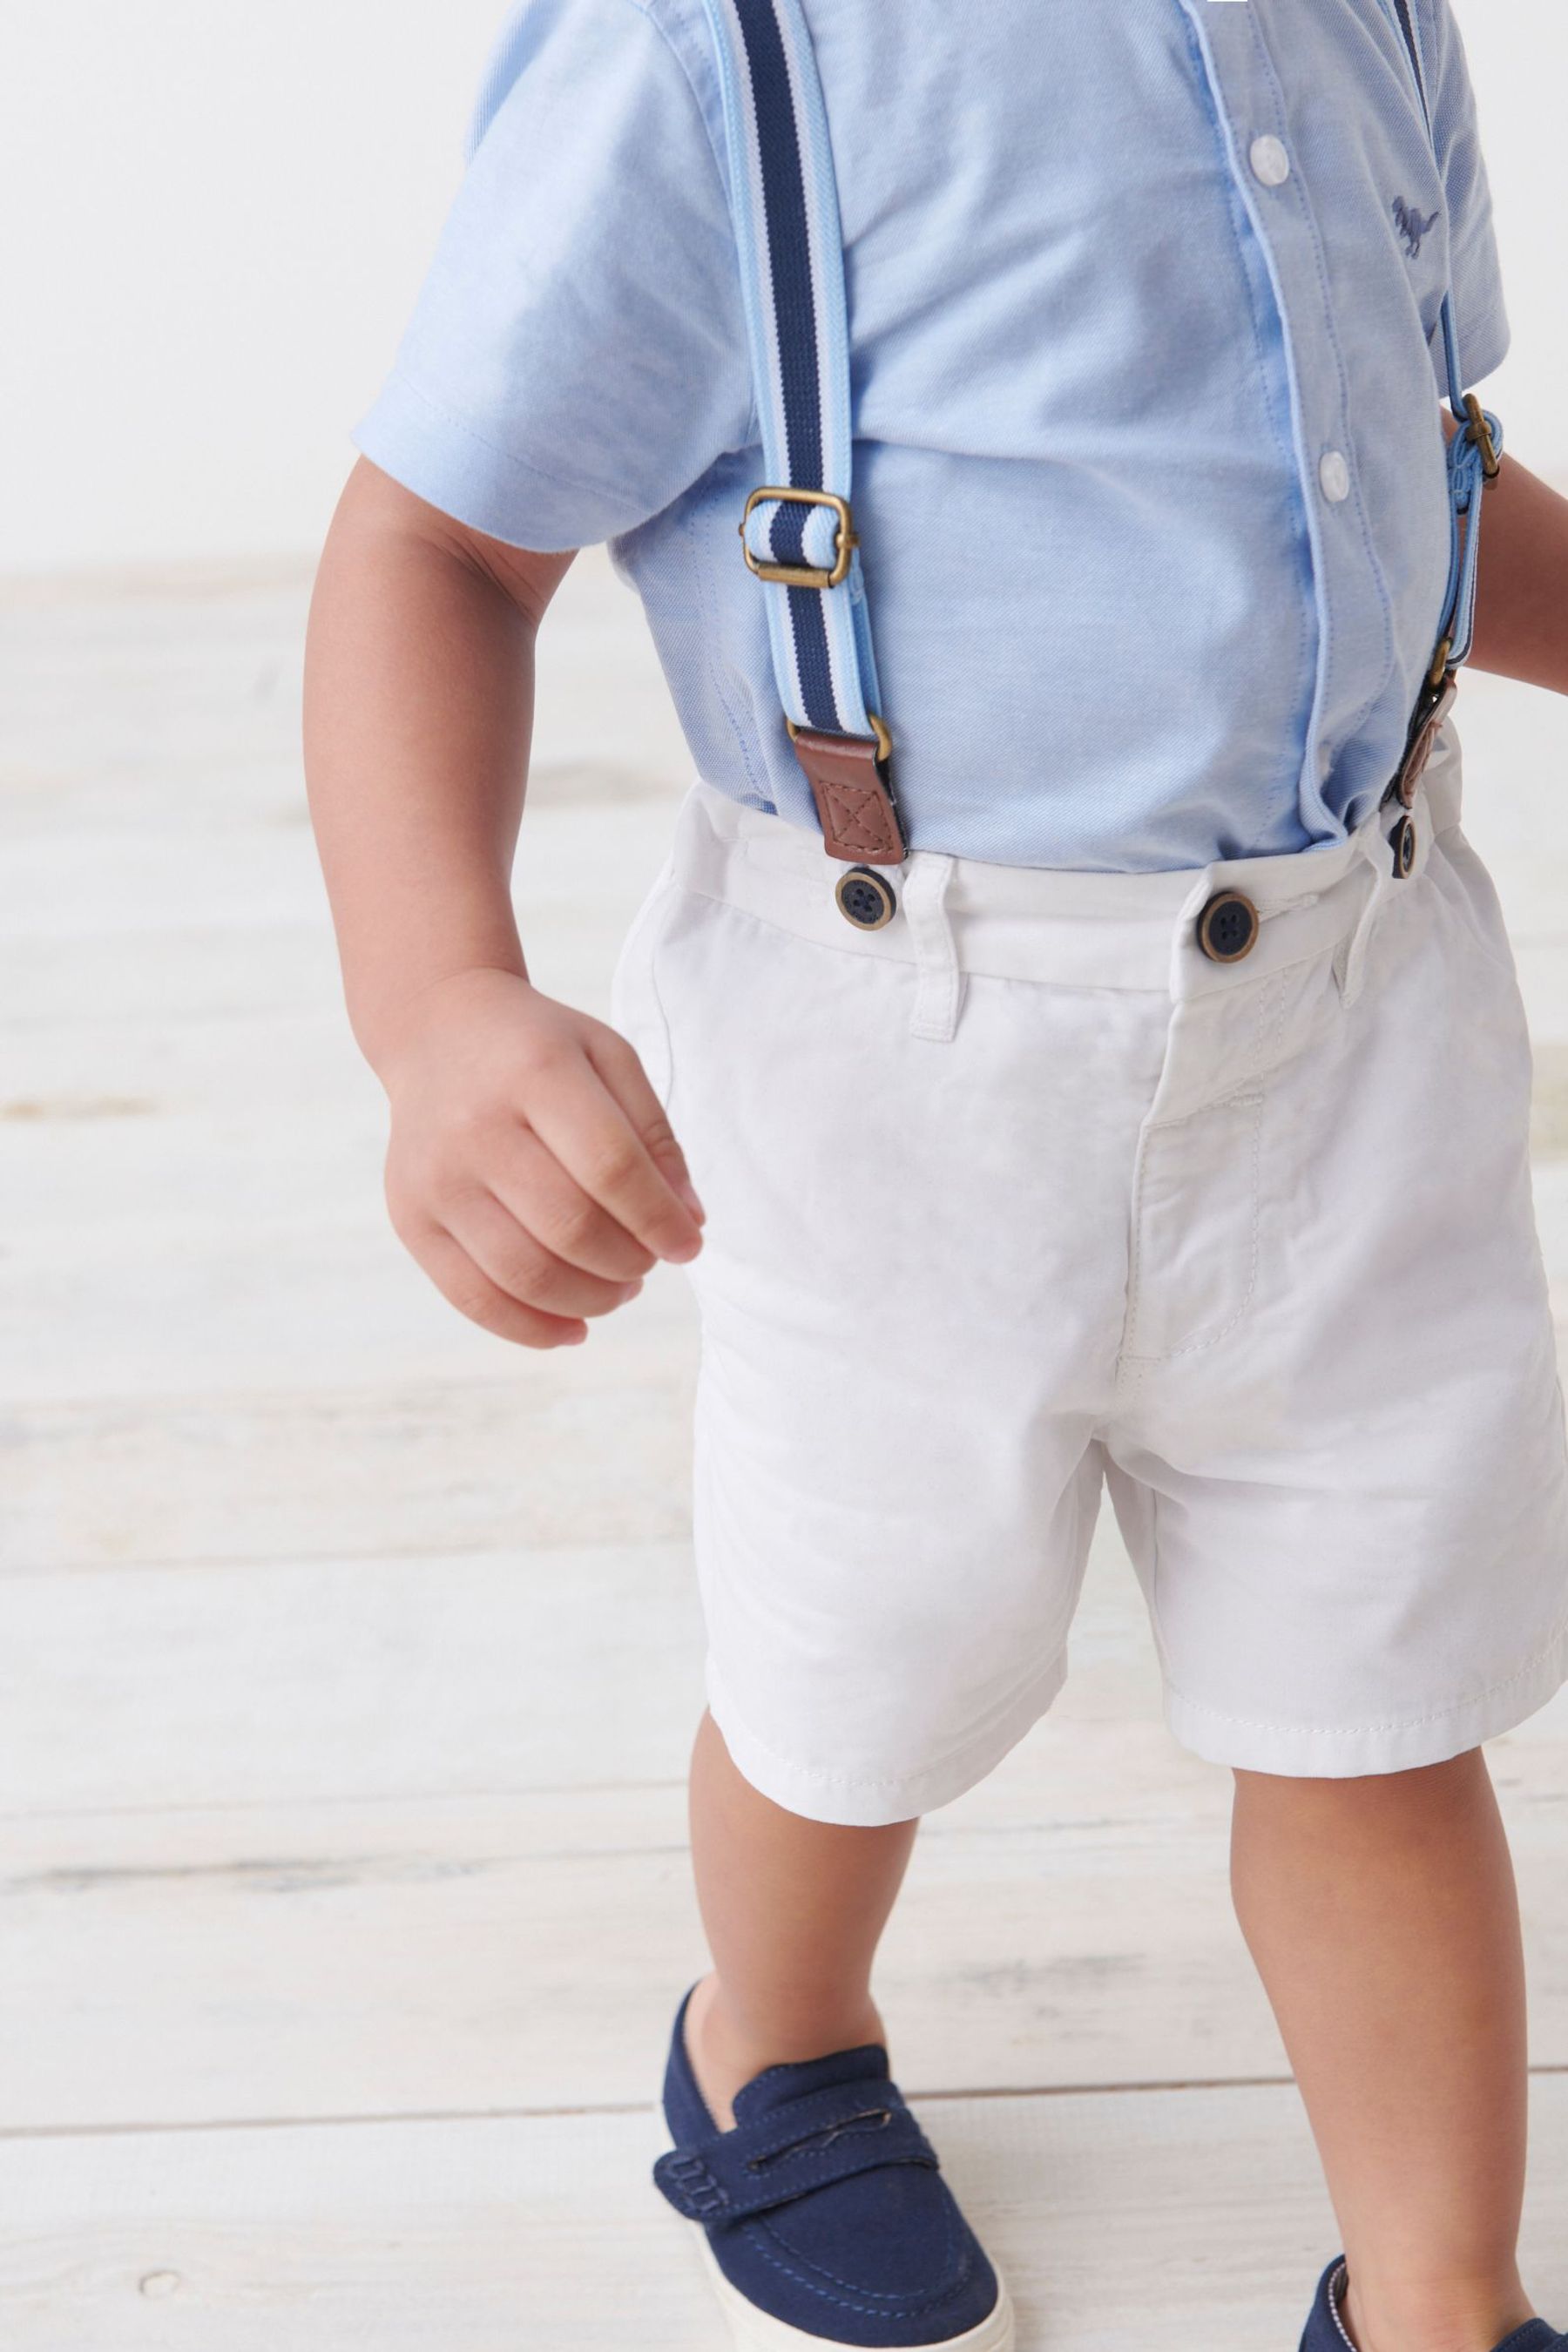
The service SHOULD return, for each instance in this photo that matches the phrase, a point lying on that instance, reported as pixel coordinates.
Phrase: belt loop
(940, 990)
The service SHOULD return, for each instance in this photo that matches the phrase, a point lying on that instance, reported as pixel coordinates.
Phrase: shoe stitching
(760, 2226)
(801, 2152)
(872, 2301)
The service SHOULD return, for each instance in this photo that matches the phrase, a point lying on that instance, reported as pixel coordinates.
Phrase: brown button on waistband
(864, 900)
(1228, 928)
(1401, 841)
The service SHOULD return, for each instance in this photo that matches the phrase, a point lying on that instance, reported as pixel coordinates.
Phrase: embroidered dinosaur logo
(1411, 226)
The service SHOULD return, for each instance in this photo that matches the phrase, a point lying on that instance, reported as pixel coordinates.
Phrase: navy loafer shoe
(826, 2226)
(1326, 2330)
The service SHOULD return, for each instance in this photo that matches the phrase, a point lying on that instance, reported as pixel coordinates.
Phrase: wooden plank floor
(348, 1659)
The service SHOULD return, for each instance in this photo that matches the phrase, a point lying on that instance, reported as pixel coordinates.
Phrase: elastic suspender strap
(1473, 455)
(1404, 10)
(798, 531)
(1476, 448)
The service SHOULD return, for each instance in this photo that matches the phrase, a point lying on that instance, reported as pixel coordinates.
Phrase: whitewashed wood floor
(347, 1659)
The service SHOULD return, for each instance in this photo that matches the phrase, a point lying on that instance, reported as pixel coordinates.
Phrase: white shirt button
(1269, 162)
(1334, 475)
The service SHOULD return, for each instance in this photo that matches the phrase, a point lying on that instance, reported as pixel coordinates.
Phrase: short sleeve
(1478, 306)
(577, 356)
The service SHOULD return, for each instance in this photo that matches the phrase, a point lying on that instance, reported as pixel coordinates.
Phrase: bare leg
(793, 1910)
(1383, 1918)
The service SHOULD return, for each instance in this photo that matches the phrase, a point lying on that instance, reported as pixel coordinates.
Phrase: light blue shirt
(1149, 469)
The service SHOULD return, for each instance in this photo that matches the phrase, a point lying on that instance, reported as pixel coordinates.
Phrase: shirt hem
(442, 459)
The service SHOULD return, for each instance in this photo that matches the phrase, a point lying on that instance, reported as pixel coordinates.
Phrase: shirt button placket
(1270, 159)
(1334, 477)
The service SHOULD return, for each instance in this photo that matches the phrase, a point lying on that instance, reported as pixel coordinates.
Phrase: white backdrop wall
(216, 216)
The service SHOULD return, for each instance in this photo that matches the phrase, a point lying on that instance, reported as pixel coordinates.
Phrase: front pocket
(636, 1008)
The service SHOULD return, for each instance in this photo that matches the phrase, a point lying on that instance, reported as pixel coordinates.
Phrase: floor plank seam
(529, 1793)
(1175, 2086)
(267, 1562)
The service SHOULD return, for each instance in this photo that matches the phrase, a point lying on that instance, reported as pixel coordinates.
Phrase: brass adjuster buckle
(802, 575)
(1480, 433)
(883, 740)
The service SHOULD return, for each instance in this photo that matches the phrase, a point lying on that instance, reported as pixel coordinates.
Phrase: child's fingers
(465, 1286)
(530, 1181)
(583, 1123)
(622, 1071)
(509, 1256)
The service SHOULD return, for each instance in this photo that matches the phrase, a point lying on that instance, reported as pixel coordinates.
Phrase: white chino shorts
(1021, 1194)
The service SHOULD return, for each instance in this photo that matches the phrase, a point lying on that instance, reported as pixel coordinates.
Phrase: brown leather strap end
(859, 818)
(1424, 731)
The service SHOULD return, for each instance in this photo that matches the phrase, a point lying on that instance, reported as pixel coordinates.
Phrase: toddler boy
(1096, 1046)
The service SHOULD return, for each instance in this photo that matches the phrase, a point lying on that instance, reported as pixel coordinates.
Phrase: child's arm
(531, 1170)
(1522, 608)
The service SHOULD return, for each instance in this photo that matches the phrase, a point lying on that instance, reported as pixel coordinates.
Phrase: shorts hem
(854, 1800)
(1352, 1751)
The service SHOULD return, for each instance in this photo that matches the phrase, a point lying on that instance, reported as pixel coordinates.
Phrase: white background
(215, 218)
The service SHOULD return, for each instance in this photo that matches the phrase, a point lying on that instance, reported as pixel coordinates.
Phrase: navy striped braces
(785, 200)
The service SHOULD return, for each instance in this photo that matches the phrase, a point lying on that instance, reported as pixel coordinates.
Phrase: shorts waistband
(961, 915)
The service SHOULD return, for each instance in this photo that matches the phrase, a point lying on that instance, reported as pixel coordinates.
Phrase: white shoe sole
(757, 2331)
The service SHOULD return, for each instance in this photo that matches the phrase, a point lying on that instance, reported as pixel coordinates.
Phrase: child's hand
(531, 1170)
